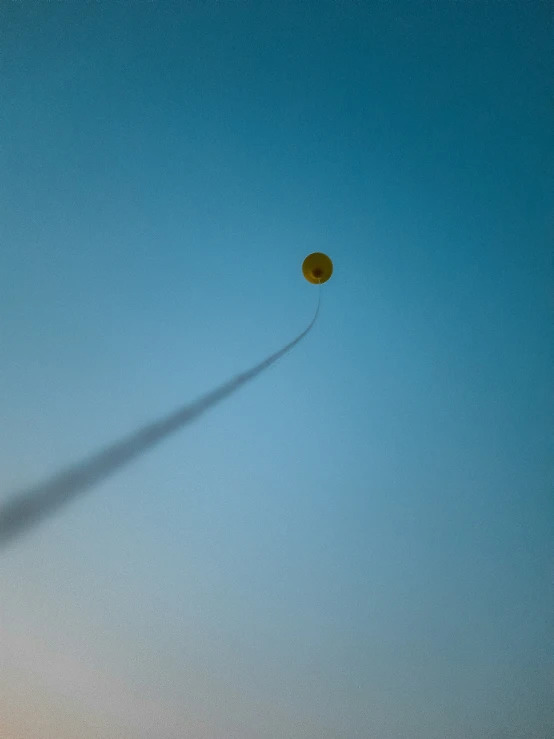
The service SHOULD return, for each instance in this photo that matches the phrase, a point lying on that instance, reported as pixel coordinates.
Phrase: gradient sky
(360, 543)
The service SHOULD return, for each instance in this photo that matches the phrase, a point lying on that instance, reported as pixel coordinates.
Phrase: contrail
(29, 507)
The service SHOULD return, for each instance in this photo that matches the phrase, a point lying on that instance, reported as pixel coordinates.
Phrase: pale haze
(358, 544)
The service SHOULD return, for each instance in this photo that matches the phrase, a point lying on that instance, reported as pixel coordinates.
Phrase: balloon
(317, 268)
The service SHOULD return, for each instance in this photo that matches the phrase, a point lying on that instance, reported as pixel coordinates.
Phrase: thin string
(28, 507)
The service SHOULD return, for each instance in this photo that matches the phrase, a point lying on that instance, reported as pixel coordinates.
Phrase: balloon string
(28, 507)
(318, 298)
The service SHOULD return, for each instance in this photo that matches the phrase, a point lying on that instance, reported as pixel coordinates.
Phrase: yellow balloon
(317, 268)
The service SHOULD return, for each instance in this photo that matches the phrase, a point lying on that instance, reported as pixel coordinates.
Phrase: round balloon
(317, 268)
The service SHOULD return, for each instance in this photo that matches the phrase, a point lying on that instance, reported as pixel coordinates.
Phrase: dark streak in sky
(29, 507)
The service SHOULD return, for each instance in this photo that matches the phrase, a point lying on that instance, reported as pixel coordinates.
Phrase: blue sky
(359, 544)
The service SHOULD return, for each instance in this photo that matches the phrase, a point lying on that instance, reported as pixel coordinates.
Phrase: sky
(360, 542)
